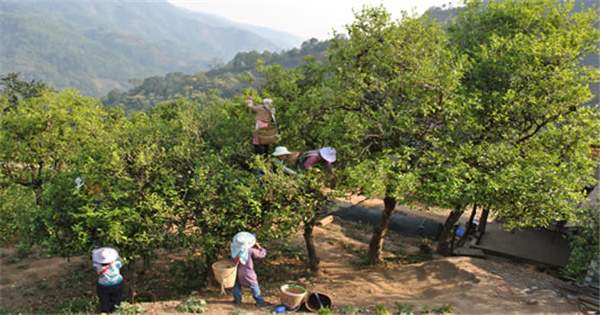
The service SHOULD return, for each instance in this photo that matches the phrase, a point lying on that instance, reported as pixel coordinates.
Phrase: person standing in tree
(264, 119)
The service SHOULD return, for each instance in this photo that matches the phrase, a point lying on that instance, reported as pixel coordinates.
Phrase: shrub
(192, 305)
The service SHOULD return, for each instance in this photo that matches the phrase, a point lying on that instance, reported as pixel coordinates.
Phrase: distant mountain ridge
(226, 81)
(97, 46)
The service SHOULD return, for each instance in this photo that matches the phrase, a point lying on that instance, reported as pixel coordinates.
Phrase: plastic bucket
(225, 272)
(315, 301)
(292, 295)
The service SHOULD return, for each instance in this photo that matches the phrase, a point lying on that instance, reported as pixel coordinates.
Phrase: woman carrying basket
(244, 248)
(265, 132)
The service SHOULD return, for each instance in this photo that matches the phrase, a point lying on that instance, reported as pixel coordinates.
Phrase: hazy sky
(305, 18)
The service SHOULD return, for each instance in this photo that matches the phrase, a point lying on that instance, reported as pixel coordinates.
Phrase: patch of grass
(425, 310)
(325, 311)
(77, 305)
(129, 309)
(23, 250)
(350, 310)
(13, 259)
(382, 310)
(404, 308)
(444, 309)
(192, 305)
(77, 278)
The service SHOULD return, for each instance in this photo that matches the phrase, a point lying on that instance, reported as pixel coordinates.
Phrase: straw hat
(279, 151)
(328, 154)
(104, 255)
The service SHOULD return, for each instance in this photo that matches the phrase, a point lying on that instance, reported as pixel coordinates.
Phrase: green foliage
(40, 139)
(248, 61)
(490, 112)
(78, 305)
(242, 72)
(23, 249)
(584, 243)
(196, 87)
(193, 305)
(167, 178)
(400, 81)
(181, 270)
(126, 308)
(325, 311)
(350, 310)
(404, 308)
(17, 210)
(382, 310)
(16, 89)
(521, 144)
(444, 309)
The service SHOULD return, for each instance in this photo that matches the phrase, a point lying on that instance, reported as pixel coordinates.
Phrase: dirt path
(471, 286)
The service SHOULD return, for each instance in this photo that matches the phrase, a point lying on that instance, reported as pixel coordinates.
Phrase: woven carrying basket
(268, 135)
(225, 273)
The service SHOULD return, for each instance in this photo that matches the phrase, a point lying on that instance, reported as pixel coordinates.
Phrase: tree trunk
(38, 184)
(468, 228)
(38, 191)
(379, 232)
(473, 212)
(313, 259)
(483, 223)
(443, 247)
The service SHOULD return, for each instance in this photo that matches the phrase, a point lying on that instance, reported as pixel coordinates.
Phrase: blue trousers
(255, 289)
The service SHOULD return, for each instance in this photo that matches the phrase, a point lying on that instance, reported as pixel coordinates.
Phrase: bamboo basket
(225, 272)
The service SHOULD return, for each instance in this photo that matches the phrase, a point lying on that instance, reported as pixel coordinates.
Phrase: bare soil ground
(468, 285)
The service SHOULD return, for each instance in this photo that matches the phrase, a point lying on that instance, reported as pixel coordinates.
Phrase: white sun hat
(328, 154)
(279, 151)
(104, 255)
(267, 101)
(241, 244)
